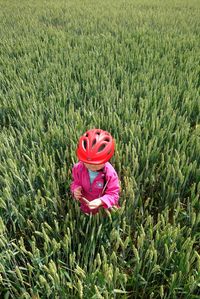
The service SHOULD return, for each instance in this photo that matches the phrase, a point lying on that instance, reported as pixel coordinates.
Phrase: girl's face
(94, 167)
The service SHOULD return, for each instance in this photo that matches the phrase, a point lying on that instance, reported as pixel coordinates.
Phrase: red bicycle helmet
(95, 147)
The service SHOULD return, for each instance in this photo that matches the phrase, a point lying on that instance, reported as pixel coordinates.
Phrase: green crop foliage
(132, 68)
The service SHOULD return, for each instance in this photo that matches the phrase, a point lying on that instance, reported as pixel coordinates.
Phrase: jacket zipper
(90, 190)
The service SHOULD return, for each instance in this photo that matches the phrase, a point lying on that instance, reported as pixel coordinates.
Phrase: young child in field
(95, 182)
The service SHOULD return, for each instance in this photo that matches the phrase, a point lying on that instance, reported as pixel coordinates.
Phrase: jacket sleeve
(75, 179)
(111, 195)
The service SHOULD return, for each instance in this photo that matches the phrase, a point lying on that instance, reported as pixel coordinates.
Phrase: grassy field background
(129, 67)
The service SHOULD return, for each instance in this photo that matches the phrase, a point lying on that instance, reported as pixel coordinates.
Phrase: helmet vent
(94, 142)
(107, 139)
(85, 145)
(101, 147)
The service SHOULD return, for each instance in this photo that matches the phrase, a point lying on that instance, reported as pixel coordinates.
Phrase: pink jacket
(107, 178)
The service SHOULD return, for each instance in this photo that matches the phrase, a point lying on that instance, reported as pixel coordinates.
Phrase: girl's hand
(77, 193)
(94, 204)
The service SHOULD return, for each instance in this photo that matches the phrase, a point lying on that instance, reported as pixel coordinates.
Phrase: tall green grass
(129, 67)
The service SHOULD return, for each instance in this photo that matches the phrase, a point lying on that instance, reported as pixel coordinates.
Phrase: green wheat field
(131, 68)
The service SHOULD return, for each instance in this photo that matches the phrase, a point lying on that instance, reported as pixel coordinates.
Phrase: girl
(95, 182)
